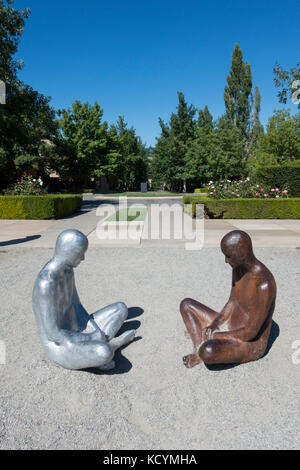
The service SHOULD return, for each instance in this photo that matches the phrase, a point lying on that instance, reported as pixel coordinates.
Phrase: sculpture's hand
(98, 335)
(207, 333)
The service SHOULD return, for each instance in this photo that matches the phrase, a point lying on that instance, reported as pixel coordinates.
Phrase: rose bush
(244, 188)
(26, 186)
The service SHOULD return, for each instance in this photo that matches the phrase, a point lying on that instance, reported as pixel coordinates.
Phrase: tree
(256, 128)
(26, 118)
(281, 143)
(237, 92)
(176, 138)
(12, 24)
(134, 164)
(82, 145)
(287, 82)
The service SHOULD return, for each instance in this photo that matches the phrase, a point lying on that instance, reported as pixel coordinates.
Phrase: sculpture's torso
(55, 290)
(245, 295)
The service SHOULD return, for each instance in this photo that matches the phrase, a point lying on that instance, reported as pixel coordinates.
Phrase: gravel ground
(150, 401)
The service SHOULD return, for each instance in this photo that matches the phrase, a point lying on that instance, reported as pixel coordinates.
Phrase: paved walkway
(34, 233)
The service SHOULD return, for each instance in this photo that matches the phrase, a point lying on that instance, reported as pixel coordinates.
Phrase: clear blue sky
(133, 57)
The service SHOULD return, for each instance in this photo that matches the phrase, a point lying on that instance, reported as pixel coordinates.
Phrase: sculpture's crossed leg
(110, 319)
(197, 317)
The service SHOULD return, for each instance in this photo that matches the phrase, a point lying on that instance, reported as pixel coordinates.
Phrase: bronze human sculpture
(240, 332)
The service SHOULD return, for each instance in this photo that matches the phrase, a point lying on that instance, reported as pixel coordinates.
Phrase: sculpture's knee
(207, 352)
(105, 353)
(185, 305)
(122, 309)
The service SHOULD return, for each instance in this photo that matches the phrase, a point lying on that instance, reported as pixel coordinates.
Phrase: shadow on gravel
(123, 365)
(18, 241)
(274, 333)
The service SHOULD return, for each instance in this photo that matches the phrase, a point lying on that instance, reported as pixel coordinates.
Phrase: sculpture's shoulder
(45, 283)
(263, 278)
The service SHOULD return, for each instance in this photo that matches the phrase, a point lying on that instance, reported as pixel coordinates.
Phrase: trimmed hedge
(279, 176)
(287, 208)
(50, 206)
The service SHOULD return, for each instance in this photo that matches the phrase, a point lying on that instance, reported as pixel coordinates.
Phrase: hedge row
(39, 207)
(280, 176)
(245, 208)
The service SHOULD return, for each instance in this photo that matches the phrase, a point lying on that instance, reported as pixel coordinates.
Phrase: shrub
(284, 175)
(245, 188)
(39, 207)
(246, 208)
(26, 186)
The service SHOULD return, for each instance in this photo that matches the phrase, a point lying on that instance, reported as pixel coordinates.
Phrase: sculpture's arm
(76, 302)
(220, 320)
(258, 302)
(46, 309)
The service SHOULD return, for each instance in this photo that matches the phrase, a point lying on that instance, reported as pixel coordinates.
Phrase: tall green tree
(237, 92)
(133, 168)
(12, 23)
(26, 118)
(256, 128)
(176, 138)
(82, 144)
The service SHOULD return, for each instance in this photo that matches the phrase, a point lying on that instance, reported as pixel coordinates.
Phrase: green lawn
(148, 194)
(128, 215)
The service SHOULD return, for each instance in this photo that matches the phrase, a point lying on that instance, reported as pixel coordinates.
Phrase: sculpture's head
(237, 248)
(71, 246)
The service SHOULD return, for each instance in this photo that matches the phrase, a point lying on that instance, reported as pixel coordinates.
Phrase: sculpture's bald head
(71, 246)
(237, 248)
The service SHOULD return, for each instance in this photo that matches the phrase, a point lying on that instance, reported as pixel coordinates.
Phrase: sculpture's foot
(191, 360)
(123, 339)
(111, 365)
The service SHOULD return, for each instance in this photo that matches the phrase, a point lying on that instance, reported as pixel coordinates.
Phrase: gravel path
(150, 401)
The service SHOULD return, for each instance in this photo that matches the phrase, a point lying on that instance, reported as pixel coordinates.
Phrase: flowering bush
(26, 186)
(244, 188)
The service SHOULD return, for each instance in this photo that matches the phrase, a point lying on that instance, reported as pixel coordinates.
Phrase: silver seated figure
(70, 336)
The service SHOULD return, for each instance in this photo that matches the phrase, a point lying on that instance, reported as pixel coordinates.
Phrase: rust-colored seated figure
(240, 332)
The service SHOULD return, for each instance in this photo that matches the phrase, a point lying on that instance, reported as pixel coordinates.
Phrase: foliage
(26, 186)
(168, 166)
(237, 92)
(38, 207)
(281, 143)
(245, 208)
(281, 176)
(26, 118)
(201, 190)
(284, 80)
(245, 188)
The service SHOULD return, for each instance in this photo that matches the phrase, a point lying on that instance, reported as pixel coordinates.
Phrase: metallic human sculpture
(70, 336)
(240, 332)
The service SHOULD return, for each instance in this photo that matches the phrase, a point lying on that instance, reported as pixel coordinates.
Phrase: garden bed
(39, 207)
(252, 208)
